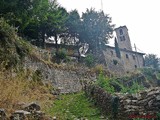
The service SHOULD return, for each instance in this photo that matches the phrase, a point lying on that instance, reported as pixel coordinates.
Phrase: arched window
(121, 32)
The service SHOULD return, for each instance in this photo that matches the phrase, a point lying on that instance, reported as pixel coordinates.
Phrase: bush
(89, 60)
(115, 62)
(60, 55)
(104, 82)
(12, 47)
(130, 89)
(148, 72)
(97, 69)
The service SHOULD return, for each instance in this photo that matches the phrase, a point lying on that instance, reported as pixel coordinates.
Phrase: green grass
(74, 106)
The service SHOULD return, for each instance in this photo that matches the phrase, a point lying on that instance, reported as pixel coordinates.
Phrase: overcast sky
(142, 18)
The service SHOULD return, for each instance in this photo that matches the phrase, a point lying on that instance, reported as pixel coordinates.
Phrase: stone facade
(123, 38)
(129, 61)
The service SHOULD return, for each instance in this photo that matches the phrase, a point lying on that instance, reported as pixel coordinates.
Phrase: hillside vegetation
(12, 47)
(74, 106)
(16, 91)
(17, 85)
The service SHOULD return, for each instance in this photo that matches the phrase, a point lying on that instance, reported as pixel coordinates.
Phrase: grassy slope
(74, 106)
(17, 90)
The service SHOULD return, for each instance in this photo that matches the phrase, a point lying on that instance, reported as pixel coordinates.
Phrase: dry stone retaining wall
(126, 106)
(68, 81)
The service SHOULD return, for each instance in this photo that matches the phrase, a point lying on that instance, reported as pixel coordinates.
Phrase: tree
(96, 29)
(57, 21)
(18, 13)
(118, 54)
(151, 60)
(73, 23)
(46, 19)
(37, 26)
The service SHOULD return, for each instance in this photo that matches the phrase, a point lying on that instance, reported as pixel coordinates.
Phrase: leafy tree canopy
(151, 60)
(73, 26)
(96, 28)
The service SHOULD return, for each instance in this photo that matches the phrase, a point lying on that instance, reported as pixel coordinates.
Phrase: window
(121, 32)
(122, 38)
(135, 66)
(127, 56)
(134, 57)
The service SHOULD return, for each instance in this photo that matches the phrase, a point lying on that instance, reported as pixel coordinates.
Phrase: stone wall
(126, 106)
(123, 38)
(128, 62)
(145, 103)
(67, 80)
(110, 59)
(102, 99)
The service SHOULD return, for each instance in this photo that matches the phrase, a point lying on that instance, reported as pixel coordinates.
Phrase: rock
(127, 101)
(134, 102)
(102, 117)
(32, 107)
(2, 114)
(143, 94)
(158, 97)
(39, 115)
(54, 118)
(20, 115)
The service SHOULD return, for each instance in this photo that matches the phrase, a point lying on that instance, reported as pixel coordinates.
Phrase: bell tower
(123, 38)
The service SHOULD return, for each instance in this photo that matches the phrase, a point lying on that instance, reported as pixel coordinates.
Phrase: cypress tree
(118, 54)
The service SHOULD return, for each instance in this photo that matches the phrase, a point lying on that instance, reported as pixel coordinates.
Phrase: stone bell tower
(123, 38)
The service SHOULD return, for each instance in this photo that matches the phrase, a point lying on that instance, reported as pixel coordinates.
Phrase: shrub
(97, 69)
(61, 54)
(130, 89)
(89, 60)
(115, 62)
(148, 72)
(104, 82)
(12, 47)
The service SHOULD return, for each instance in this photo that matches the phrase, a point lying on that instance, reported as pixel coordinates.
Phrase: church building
(127, 60)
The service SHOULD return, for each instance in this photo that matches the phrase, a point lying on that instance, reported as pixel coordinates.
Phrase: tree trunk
(43, 39)
(56, 41)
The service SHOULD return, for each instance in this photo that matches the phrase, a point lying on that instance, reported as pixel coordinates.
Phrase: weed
(135, 88)
(74, 106)
(104, 82)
